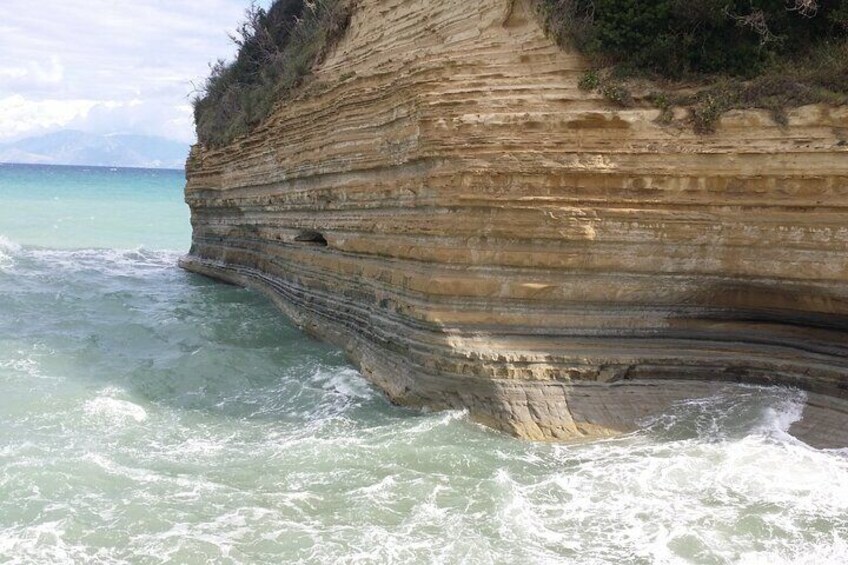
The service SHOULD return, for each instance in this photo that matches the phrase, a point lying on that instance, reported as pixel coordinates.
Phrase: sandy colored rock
(498, 240)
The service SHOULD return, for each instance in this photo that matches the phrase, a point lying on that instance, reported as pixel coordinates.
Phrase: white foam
(48, 542)
(200, 447)
(778, 418)
(379, 492)
(8, 251)
(111, 410)
(114, 262)
(27, 365)
(183, 541)
(821, 553)
(346, 382)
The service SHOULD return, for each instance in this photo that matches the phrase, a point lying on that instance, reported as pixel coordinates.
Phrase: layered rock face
(445, 203)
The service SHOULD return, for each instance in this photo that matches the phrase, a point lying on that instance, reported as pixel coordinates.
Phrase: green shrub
(589, 81)
(278, 48)
(771, 54)
(676, 38)
(708, 110)
(663, 103)
(617, 94)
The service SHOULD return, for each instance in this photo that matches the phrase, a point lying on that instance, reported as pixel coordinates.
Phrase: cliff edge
(444, 202)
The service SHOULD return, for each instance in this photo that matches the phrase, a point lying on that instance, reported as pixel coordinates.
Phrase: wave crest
(8, 250)
(111, 262)
(109, 409)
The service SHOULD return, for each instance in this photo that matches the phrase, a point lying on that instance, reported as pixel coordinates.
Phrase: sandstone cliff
(445, 203)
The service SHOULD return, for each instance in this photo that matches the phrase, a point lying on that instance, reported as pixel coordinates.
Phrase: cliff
(446, 204)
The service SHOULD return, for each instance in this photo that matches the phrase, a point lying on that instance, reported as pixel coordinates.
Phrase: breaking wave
(8, 250)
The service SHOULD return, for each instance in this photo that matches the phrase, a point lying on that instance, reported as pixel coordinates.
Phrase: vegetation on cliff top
(277, 50)
(706, 55)
(710, 55)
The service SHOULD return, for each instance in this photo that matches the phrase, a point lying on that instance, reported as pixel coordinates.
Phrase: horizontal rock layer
(444, 202)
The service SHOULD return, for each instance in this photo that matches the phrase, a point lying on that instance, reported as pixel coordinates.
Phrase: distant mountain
(71, 147)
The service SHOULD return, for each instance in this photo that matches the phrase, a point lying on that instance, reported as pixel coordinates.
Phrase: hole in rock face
(311, 236)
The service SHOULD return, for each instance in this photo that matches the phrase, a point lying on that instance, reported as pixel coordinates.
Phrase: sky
(108, 66)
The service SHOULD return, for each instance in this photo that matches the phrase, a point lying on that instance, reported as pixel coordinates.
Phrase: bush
(771, 54)
(589, 81)
(617, 94)
(277, 51)
(677, 38)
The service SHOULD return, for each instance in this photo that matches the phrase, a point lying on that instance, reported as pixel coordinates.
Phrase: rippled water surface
(148, 415)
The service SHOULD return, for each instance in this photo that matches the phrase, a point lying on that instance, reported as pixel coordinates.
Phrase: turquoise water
(152, 416)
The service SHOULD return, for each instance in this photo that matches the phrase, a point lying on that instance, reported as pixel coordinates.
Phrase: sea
(149, 415)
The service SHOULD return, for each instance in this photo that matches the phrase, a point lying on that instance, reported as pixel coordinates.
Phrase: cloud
(34, 75)
(104, 66)
(19, 116)
(149, 117)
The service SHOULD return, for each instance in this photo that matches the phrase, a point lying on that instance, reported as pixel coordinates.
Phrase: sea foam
(8, 250)
(111, 410)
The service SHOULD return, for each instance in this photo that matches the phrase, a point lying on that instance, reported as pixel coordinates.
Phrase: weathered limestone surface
(501, 241)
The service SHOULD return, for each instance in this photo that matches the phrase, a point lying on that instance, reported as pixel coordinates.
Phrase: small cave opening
(311, 236)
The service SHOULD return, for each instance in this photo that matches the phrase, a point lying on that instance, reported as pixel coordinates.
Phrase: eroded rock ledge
(446, 204)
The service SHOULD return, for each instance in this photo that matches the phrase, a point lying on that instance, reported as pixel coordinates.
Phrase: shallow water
(148, 415)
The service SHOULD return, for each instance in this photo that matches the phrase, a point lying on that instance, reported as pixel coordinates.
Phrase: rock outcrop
(445, 203)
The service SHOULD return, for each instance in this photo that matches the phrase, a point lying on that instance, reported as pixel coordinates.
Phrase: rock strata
(445, 203)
